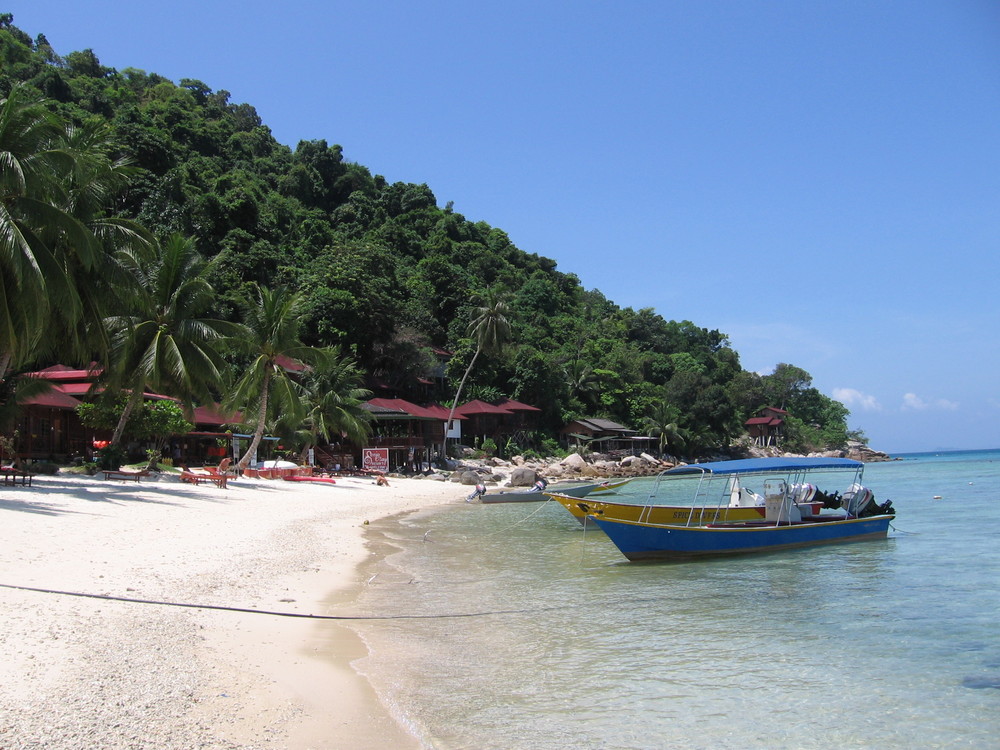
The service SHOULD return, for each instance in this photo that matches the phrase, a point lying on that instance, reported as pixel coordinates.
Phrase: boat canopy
(763, 465)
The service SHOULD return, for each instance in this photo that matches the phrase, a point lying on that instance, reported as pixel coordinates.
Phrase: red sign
(375, 459)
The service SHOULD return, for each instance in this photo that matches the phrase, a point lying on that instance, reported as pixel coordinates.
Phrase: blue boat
(796, 512)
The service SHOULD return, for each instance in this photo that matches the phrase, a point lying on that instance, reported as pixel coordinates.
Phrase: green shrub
(110, 457)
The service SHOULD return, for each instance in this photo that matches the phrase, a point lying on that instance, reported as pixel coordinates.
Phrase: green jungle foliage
(387, 275)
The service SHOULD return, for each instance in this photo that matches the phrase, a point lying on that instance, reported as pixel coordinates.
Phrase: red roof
(480, 407)
(401, 405)
(62, 372)
(442, 412)
(214, 415)
(771, 421)
(78, 389)
(290, 365)
(511, 405)
(54, 399)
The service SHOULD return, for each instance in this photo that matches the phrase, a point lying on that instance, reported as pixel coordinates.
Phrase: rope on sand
(108, 597)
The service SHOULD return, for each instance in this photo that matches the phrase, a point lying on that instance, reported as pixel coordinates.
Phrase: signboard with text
(375, 459)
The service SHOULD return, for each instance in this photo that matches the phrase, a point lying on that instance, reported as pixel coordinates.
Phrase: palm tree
(272, 340)
(333, 395)
(663, 422)
(56, 243)
(33, 228)
(89, 188)
(581, 380)
(161, 341)
(491, 330)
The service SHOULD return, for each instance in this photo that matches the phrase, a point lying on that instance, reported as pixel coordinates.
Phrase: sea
(513, 626)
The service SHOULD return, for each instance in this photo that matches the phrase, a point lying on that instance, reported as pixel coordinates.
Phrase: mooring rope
(518, 523)
(272, 613)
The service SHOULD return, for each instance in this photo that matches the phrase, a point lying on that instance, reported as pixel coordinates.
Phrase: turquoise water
(885, 644)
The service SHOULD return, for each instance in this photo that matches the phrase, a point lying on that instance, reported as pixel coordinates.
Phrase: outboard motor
(860, 502)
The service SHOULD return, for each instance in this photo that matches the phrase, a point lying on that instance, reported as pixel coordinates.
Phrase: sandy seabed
(81, 672)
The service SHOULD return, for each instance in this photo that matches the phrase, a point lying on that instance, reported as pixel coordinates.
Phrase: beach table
(124, 475)
(13, 476)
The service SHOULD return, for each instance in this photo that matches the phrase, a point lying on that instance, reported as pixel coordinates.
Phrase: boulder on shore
(523, 476)
(574, 462)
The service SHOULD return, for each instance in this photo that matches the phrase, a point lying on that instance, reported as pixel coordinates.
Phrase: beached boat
(541, 492)
(796, 513)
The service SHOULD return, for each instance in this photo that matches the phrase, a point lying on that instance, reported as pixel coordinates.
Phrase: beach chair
(197, 476)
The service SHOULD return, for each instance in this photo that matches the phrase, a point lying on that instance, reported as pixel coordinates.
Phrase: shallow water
(533, 632)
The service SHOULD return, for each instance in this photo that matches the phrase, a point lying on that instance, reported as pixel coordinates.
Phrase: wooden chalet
(768, 427)
(523, 419)
(602, 434)
(406, 435)
(485, 421)
(49, 429)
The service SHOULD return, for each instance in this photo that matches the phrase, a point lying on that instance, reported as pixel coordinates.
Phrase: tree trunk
(261, 420)
(454, 404)
(135, 397)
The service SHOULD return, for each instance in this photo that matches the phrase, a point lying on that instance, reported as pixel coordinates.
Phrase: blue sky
(818, 180)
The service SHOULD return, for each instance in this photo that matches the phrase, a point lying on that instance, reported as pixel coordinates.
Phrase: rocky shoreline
(522, 472)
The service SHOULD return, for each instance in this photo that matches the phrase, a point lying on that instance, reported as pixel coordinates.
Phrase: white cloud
(852, 397)
(914, 402)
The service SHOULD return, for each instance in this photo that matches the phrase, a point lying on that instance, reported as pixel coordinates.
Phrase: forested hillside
(389, 274)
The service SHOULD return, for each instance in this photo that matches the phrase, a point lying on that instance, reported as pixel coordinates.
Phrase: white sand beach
(103, 673)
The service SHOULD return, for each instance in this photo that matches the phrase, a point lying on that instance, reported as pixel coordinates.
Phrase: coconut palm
(161, 339)
(332, 395)
(95, 179)
(663, 422)
(34, 229)
(490, 329)
(581, 380)
(56, 241)
(272, 342)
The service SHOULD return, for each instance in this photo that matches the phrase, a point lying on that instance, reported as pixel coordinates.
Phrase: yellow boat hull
(580, 508)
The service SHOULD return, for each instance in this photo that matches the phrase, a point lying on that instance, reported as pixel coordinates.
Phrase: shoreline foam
(93, 672)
